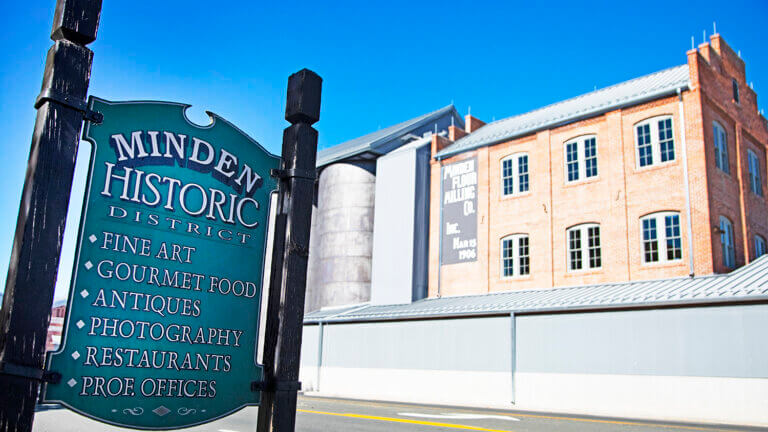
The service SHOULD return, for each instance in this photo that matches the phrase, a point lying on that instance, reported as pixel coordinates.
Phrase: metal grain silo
(341, 241)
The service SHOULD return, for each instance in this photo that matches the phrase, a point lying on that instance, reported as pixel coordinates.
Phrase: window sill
(515, 278)
(517, 195)
(575, 183)
(584, 272)
(662, 264)
(722, 173)
(658, 166)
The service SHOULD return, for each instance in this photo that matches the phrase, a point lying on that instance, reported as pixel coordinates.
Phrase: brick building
(56, 326)
(661, 176)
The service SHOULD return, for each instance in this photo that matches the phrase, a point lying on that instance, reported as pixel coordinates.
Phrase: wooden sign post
(26, 310)
(285, 310)
(174, 214)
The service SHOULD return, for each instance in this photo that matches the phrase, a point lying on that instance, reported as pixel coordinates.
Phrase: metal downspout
(321, 332)
(440, 234)
(686, 187)
(319, 355)
(513, 354)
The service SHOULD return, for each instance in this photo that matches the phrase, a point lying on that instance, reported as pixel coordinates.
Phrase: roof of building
(656, 85)
(747, 284)
(375, 140)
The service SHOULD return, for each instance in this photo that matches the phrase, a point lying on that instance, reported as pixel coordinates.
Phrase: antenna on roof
(452, 121)
(714, 27)
(704, 36)
(739, 53)
(469, 110)
(693, 44)
(435, 128)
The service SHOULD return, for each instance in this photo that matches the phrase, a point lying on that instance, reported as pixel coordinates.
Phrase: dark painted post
(285, 311)
(34, 262)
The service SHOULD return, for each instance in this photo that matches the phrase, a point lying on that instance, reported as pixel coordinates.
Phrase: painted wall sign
(163, 309)
(459, 222)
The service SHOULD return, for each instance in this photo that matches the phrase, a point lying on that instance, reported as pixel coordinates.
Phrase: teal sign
(162, 323)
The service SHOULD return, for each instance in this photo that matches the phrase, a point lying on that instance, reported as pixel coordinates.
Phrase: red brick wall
(714, 66)
(622, 192)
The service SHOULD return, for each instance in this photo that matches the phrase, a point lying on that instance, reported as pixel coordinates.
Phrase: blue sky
(382, 63)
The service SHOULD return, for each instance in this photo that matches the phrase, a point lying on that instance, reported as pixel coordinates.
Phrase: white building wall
(393, 232)
(701, 364)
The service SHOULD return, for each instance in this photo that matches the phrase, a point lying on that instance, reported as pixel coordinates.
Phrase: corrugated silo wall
(341, 239)
(702, 364)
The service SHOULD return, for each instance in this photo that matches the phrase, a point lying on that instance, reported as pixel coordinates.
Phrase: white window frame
(661, 237)
(517, 258)
(720, 145)
(653, 124)
(727, 242)
(584, 248)
(515, 175)
(761, 248)
(755, 173)
(581, 158)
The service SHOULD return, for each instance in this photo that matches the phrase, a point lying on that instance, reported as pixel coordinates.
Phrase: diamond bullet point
(80, 324)
(75, 355)
(92, 238)
(84, 293)
(161, 410)
(88, 265)
(71, 382)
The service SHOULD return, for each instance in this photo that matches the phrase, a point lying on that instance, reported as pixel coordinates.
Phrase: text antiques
(163, 312)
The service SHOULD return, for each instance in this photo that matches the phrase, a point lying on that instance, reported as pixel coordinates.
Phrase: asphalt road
(330, 415)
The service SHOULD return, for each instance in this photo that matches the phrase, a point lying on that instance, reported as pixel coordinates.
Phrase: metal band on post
(71, 102)
(272, 386)
(287, 174)
(12, 369)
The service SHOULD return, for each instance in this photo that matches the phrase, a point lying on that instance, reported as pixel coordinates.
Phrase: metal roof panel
(632, 92)
(736, 286)
(369, 142)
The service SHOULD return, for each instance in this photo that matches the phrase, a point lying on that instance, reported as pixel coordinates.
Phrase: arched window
(584, 250)
(580, 158)
(660, 233)
(515, 174)
(515, 256)
(726, 240)
(760, 247)
(654, 141)
(721, 147)
(755, 173)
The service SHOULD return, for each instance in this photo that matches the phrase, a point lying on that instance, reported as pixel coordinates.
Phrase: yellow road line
(398, 420)
(541, 416)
